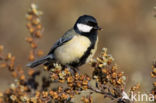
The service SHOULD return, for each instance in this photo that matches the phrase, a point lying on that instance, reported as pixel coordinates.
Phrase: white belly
(73, 50)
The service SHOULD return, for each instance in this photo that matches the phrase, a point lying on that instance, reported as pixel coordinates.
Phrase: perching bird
(76, 47)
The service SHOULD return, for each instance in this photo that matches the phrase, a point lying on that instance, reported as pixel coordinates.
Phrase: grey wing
(66, 37)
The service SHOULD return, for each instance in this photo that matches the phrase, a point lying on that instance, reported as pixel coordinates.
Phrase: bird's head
(86, 24)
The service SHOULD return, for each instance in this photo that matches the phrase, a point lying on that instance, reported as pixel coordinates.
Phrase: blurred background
(129, 32)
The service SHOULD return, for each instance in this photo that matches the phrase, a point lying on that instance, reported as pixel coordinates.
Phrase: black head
(86, 24)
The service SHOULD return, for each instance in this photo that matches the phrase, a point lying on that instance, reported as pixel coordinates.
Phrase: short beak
(98, 28)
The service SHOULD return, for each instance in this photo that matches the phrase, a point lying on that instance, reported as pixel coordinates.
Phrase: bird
(76, 47)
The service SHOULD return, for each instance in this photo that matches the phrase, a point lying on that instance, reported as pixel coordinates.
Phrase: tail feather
(39, 61)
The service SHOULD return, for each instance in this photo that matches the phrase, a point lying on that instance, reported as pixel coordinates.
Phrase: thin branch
(102, 92)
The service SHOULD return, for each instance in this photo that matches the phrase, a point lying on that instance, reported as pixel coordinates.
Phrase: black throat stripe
(93, 38)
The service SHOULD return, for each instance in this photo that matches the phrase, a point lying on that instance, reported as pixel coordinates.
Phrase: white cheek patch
(84, 27)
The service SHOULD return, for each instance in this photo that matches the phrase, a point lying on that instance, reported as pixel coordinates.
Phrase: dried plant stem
(102, 92)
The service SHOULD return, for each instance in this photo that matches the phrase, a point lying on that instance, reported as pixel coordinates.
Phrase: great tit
(76, 47)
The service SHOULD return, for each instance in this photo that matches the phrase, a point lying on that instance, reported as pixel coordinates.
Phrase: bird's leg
(70, 69)
(73, 70)
(76, 70)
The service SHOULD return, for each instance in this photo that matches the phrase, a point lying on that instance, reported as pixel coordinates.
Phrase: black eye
(91, 23)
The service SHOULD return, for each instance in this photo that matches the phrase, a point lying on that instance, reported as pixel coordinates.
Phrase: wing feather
(65, 38)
